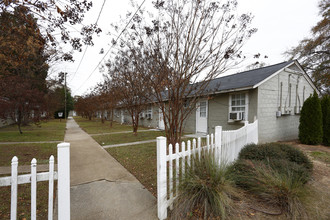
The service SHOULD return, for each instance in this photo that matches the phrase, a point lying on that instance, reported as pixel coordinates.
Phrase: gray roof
(244, 79)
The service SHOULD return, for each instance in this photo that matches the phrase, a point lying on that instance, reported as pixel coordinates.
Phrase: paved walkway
(124, 132)
(101, 188)
(151, 141)
(130, 143)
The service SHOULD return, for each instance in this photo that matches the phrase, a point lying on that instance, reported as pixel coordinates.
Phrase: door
(161, 124)
(122, 116)
(201, 116)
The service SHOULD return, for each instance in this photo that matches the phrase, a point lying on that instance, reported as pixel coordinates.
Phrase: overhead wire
(111, 46)
(97, 20)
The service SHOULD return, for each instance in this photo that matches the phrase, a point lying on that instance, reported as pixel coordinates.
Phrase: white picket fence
(225, 145)
(63, 183)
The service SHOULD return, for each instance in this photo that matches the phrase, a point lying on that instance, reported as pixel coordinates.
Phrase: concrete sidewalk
(122, 132)
(101, 188)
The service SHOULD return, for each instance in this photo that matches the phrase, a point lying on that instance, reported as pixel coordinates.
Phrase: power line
(97, 20)
(111, 47)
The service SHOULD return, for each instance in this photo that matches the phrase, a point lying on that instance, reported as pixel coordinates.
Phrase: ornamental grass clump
(275, 152)
(279, 188)
(276, 174)
(205, 191)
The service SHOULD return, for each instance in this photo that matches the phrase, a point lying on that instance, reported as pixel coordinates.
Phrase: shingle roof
(244, 79)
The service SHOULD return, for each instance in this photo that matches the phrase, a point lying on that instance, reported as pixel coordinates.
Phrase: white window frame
(246, 112)
(200, 109)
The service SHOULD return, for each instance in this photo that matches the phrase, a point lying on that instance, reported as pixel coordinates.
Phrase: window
(238, 106)
(202, 107)
(148, 113)
(186, 103)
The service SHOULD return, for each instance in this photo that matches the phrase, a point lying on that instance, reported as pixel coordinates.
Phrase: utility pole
(62, 75)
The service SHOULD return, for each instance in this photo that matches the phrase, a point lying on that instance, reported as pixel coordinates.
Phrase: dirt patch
(308, 148)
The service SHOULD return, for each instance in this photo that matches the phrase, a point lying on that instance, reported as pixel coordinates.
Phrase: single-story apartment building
(273, 94)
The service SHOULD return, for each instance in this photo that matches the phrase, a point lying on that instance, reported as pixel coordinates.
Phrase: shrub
(275, 151)
(282, 188)
(205, 191)
(325, 104)
(242, 170)
(310, 127)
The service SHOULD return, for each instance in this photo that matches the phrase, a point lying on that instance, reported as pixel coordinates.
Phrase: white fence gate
(63, 182)
(225, 145)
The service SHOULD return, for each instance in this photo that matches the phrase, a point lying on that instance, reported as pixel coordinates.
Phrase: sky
(281, 25)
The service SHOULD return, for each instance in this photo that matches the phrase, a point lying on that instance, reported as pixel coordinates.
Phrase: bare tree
(181, 47)
(85, 106)
(105, 100)
(129, 84)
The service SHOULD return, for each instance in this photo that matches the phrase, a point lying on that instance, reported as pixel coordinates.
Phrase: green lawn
(110, 139)
(52, 130)
(95, 126)
(141, 161)
(24, 201)
(25, 153)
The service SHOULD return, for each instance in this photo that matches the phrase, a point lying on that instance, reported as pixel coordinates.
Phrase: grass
(127, 137)
(141, 161)
(52, 130)
(276, 187)
(206, 191)
(25, 153)
(95, 126)
(24, 201)
(322, 156)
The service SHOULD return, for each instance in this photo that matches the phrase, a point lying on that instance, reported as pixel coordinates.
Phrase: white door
(161, 124)
(122, 116)
(201, 116)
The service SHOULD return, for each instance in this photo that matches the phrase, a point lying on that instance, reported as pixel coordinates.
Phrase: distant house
(273, 94)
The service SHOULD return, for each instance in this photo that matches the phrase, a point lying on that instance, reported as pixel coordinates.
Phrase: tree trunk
(19, 128)
(19, 122)
(102, 117)
(135, 122)
(111, 118)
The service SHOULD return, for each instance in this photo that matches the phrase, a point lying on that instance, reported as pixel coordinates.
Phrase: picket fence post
(63, 167)
(161, 178)
(33, 189)
(217, 134)
(13, 206)
(51, 188)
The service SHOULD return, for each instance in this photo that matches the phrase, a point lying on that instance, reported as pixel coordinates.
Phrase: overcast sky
(281, 24)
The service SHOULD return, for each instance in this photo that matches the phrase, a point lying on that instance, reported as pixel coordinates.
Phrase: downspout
(281, 94)
(297, 107)
(304, 94)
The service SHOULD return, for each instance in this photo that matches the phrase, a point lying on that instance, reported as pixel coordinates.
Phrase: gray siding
(153, 122)
(6, 122)
(272, 128)
(190, 123)
(219, 110)
(253, 105)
